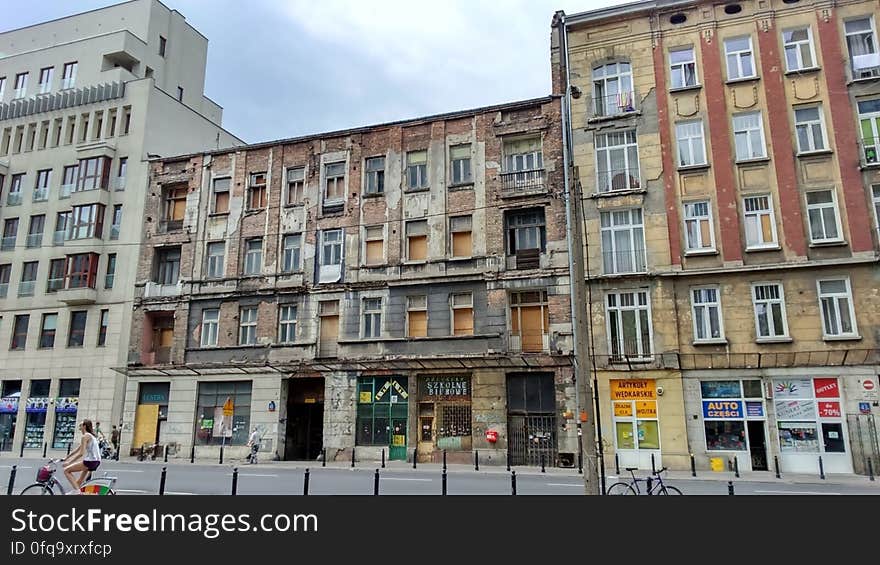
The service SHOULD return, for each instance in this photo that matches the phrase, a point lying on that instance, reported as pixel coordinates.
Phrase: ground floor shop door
(382, 413)
(304, 436)
(531, 419)
(636, 423)
(444, 416)
(757, 445)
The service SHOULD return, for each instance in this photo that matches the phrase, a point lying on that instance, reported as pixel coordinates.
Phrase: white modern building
(85, 100)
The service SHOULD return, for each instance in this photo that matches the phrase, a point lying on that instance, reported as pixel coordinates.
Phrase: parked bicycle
(48, 484)
(653, 484)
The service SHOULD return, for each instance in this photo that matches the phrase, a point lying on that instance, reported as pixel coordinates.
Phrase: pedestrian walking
(254, 444)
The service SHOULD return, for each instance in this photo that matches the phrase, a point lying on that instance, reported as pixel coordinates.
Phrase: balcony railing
(26, 288)
(13, 199)
(108, 280)
(34, 239)
(55, 285)
(522, 182)
(119, 183)
(7, 243)
(619, 180)
(66, 189)
(4, 289)
(630, 351)
(41, 194)
(623, 262)
(614, 104)
(58, 237)
(528, 341)
(68, 82)
(114, 231)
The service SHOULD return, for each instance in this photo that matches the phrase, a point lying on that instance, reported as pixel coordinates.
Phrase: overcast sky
(282, 68)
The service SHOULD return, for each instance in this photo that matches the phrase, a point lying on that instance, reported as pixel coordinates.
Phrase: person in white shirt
(84, 459)
(254, 444)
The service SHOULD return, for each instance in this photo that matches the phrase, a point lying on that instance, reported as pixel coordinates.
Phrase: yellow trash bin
(716, 464)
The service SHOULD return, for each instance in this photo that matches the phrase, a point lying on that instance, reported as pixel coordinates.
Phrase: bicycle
(653, 486)
(47, 484)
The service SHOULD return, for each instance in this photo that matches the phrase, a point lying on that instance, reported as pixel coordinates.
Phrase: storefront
(151, 413)
(35, 423)
(65, 421)
(734, 422)
(213, 425)
(444, 416)
(636, 422)
(8, 417)
(382, 412)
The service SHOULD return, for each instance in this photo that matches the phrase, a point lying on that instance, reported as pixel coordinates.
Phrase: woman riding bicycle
(84, 459)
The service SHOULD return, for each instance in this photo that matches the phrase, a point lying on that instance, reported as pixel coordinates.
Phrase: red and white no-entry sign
(868, 384)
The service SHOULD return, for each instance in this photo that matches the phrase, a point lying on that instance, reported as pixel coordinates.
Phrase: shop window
(807, 409)
(211, 426)
(382, 411)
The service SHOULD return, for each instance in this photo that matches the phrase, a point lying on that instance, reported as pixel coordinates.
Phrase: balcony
(528, 341)
(92, 196)
(68, 83)
(73, 296)
(168, 226)
(7, 243)
(34, 240)
(618, 180)
(614, 105)
(13, 199)
(114, 231)
(522, 183)
(118, 183)
(59, 237)
(66, 189)
(4, 289)
(633, 351)
(156, 290)
(41, 194)
(624, 262)
(26, 288)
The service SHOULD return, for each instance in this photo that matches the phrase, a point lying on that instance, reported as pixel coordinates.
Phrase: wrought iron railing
(614, 104)
(522, 182)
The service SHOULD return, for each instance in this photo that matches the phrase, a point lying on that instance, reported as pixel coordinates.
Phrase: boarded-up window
(257, 197)
(221, 196)
(460, 232)
(375, 244)
(417, 316)
(417, 240)
(175, 203)
(462, 314)
(529, 320)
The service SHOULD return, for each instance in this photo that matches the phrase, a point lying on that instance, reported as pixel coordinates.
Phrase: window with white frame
(876, 194)
(296, 181)
(869, 123)
(374, 245)
(617, 161)
(247, 326)
(706, 307)
(460, 161)
(691, 145)
(740, 58)
(628, 316)
(838, 315)
(330, 256)
(683, 67)
(823, 216)
(861, 41)
(760, 222)
(210, 327)
(748, 135)
(698, 228)
(291, 246)
(68, 75)
(287, 323)
(462, 305)
(334, 183)
(21, 80)
(375, 171)
(253, 256)
(768, 300)
(810, 127)
(372, 318)
(799, 53)
(417, 169)
(215, 257)
(623, 241)
(613, 89)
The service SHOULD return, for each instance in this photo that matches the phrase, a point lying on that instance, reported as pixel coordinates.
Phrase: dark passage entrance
(531, 419)
(305, 419)
(757, 445)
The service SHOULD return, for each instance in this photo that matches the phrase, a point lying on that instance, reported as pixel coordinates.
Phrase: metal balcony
(13, 199)
(618, 104)
(114, 231)
(41, 194)
(66, 189)
(34, 240)
(54, 285)
(58, 237)
(528, 341)
(7, 243)
(521, 183)
(618, 180)
(26, 288)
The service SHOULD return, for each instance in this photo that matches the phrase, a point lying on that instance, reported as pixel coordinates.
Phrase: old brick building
(399, 287)
(726, 155)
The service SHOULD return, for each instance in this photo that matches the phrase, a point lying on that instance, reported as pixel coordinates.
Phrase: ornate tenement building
(726, 158)
(401, 287)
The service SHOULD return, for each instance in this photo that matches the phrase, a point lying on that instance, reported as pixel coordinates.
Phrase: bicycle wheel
(668, 489)
(38, 489)
(620, 488)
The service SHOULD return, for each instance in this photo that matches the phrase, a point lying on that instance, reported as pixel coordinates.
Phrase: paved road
(182, 479)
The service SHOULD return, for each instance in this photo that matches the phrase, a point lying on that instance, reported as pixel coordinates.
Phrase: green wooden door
(383, 415)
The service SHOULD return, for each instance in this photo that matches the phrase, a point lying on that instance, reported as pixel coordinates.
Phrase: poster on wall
(66, 404)
(829, 409)
(9, 405)
(792, 388)
(795, 410)
(826, 388)
(754, 409)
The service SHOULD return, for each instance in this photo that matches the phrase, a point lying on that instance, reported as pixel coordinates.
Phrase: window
(740, 61)
(683, 67)
(381, 411)
(823, 216)
(287, 323)
(526, 236)
(334, 183)
(20, 85)
(120, 177)
(82, 270)
(63, 221)
(110, 276)
(41, 187)
(810, 128)
(623, 241)
(68, 181)
(523, 155)
(529, 321)
(47, 330)
(691, 147)
(760, 222)
(210, 327)
(168, 265)
(706, 306)
(617, 161)
(87, 221)
(460, 233)
(253, 256)
(247, 326)
(220, 197)
(748, 134)
(372, 318)
(417, 169)
(292, 245)
(77, 332)
(460, 161)
(462, 313)
(799, 54)
(68, 75)
(629, 324)
(10, 233)
(5, 274)
(770, 318)
(19, 332)
(103, 323)
(46, 80)
(162, 45)
(93, 173)
(417, 316)
(215, 259)
(174, 204)
(375, 170)
(296, 180)
(698, 228)
(210, 428)
(374, 245)
(331, 256)
(862, 45)
(838, 316)
(57, 271)
(257, 191)
(117, 221)
(613, 89)
(15, 190)
(2, 87)
(28, 278)
(417, 240)
(35, 231)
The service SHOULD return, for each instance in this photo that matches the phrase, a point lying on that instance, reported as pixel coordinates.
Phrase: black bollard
(653, 468)
(221, 453)
(12, 480)
(162, 481)
(693, 466)
(444, 482)
(306, 482)
(650, 482)
(45, 446)
(324, 457)
(192, 454)
(476, 460)
(513, 483)
(870, 470)
(616, 464)
(444, 460)
(166, 453)
(383, 457)
(508, 460)
(352, 457)
(776, 461)
(821, 469)
(376, 483)
(735, 467)
(580, 463)
(543, 470)
(21, 451)
(68, 447)
(415, 457)
(235, 480)
(730, 488)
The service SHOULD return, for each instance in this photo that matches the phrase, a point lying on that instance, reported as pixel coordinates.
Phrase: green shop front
(383, 414)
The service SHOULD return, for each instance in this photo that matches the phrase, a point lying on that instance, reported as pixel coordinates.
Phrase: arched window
(613, 89)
